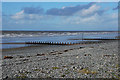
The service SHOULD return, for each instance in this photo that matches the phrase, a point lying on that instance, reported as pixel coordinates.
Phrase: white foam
(50, 34)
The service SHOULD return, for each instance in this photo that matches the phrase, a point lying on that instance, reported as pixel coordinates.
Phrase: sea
(50, 36)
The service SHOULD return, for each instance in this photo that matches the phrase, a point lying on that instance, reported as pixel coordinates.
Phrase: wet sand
(56, 61)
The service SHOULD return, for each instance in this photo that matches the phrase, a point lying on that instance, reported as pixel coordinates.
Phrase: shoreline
(74, 61)
(35, 44)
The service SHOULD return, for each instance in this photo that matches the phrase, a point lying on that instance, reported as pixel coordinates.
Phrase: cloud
(67, 11)
(100, 12)
(33, 13)
(90, 14)
(90, 10)
(28, 13)
(18, 15)
(26, 17)
(116, 8)
(78, 17)
(93, 20)
(33, 10)
(79, 20)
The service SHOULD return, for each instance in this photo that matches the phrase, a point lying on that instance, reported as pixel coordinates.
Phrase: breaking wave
(37, 34)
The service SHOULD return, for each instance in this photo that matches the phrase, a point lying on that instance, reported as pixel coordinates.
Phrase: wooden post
(82, 36)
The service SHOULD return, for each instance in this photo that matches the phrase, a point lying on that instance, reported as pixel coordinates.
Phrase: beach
(96, 60)
(59, 40)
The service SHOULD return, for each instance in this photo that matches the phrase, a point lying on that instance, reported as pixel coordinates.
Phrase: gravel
(75, 61)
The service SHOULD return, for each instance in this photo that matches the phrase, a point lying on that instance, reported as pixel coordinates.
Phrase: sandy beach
(56, 61)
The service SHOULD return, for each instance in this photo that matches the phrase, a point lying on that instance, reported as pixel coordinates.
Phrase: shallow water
(26, 36)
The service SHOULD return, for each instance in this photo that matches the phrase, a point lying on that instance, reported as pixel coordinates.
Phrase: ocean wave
(37, 34)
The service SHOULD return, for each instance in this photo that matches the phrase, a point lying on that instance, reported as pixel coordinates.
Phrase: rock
(65, 50)
(28, 56)
(6, 77)
(107, 55)
(25, 59)
(79, 67)
(77, 57)
(54, 54)
(81, 47)
(74, 67)
(70, 49)
(87, 55)
(40, 54)
(73, 63)
(51, 52)
(8, 57)
(21, 56)
(63, 75)
(60, 53)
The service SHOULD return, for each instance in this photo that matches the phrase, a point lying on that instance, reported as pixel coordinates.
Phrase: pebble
(68, 64)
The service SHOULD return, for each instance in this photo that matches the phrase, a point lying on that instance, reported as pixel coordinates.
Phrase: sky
(60, 16)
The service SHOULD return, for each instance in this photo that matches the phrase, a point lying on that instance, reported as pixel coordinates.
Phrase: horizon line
(60, 1)
(64, 30)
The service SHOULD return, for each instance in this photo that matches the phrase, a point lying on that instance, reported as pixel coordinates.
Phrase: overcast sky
(67, 16)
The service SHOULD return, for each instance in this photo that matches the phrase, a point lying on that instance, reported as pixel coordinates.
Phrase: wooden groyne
(85, 41)
(14, 43)
(51, 43)
(64, 43)
(44, 43)
(99, 39)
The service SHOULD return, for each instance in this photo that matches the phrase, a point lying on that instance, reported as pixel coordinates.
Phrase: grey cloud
(100, 12)
(33, 10)
(68, 11)
(116, 7)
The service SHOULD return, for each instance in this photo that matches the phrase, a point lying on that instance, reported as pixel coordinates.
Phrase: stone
(8, 57)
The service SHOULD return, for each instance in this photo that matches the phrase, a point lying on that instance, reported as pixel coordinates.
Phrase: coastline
(69, 61)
